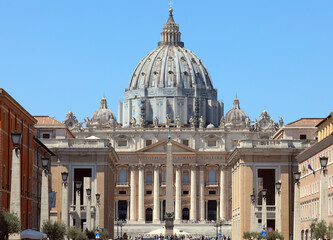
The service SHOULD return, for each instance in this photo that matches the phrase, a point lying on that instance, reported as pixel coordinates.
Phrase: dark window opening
(148, 192)
(185, 142)
(148, 142)
(46, 135)
(266, 180)
(122, 209)
(212, 192)
(302, 136)
(185, 192)
(79, 174)
(122, 192)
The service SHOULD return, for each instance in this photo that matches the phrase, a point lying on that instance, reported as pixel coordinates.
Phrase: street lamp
(45, 163)
(253, 198)
(88, 192)
(78, 185)
(64, 176)
(98, 196)
(263, 193)
(297, 176)
(278, 186)
(16, 139)
(15, 190)
(323, 162)
(217, 225)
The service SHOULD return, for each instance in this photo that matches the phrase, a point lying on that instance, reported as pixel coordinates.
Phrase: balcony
(212, 184)
(122, 184)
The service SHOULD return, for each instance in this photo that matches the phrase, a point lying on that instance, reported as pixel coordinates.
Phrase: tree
(54, 230)
(75, 233)
(90, 234)
(319, 229)
(250, 235)
(275, 235)
(9, 224)
(104, 235)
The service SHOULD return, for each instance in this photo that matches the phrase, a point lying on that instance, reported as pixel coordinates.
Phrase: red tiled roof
(46, 120)
(305, 122)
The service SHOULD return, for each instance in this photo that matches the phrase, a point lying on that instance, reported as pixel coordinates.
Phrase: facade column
(133, 195)
(222, 194)
(128, 210)
(15, 184)
(97, 215)
(141, 194)
(156, 211)
(178, 200)
(202, 192)
(193, 211)
(116, 210)
(264, 213)
(64, 203)
(88, 213)
(278, 211)
(297, 215)
(44, 205)
(323, 200)
(78, 209)
(253, 217)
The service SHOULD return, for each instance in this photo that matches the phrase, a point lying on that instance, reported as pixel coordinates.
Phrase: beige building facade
(316, 183)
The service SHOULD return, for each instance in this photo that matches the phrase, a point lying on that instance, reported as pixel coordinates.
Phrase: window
(185, 192)
(212, 176)
(122, 143)
(148, 192)
(212, 192)
(185, 142)
(149, 178)
(122, 192)
(46, 135)
(186, 179)
(211, 143)
(148, 142)
(122, 176)
(302, 136)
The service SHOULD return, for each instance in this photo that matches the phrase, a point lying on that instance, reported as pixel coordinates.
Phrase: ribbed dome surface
(236, 114)
(103, 114)
(170, 66)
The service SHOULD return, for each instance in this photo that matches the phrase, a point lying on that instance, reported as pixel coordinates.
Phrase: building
(90, 161)
(14, 118)
(172, 89)
(315, 187)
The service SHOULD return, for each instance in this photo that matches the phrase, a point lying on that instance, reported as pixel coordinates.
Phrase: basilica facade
(171, 91)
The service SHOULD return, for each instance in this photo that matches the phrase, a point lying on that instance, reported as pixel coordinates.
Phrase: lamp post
(297, 221)
(78, 185)
(64, 198)
(264, 209)
(217, 224)
(253, 217)
(98, 196)
(278, 206)
(15, 190)
(44, 205)
(88, 212)
(120, 225)
(323, 190)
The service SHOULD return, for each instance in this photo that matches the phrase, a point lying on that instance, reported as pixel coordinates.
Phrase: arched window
(212, 176)
(122, 176)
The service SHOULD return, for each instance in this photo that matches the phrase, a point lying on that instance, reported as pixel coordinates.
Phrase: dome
(170, 81)
(236, 114)
(103, 114)
(170, 66)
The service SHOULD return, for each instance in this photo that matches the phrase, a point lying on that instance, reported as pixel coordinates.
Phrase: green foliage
(250, 235)
(104, 235)
(90, 234)
(320, 229)
(76, 233)
(9, 224)
(329, 233)
(54, 230)
(274, 235)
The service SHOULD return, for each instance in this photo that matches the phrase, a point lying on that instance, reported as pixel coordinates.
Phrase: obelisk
(169, 211)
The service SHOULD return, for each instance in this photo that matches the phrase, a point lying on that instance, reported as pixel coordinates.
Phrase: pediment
(161, 147)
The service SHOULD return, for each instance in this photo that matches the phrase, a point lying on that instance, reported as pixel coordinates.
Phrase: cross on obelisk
(169, 211)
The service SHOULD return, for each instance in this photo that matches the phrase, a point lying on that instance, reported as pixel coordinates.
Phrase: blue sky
(57, 56)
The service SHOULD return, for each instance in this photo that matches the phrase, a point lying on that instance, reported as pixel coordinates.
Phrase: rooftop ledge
(270, 143)
(76, 143)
